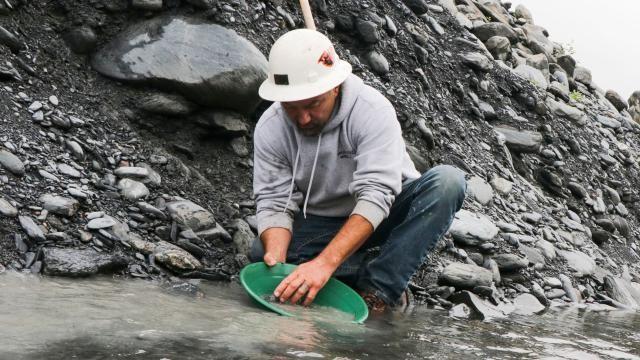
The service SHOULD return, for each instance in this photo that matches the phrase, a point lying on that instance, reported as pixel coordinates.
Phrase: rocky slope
(126, 142)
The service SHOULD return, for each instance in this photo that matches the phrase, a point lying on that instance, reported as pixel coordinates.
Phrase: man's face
(311, 115)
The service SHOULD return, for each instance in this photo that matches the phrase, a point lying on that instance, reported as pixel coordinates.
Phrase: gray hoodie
(357, 164)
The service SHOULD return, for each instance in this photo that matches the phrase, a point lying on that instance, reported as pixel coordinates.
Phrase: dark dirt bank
(552, 160)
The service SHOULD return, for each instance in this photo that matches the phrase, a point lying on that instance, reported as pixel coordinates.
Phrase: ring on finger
(303, 288)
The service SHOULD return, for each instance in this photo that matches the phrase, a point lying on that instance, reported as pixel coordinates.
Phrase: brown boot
(377, 306)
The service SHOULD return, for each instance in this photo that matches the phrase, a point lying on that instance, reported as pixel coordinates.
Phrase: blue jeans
(419, 217)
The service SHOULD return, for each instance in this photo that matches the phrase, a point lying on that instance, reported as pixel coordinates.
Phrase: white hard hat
(302, 64)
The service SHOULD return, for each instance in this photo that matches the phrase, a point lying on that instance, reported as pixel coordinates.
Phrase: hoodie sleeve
(272, 174)
(380, 151)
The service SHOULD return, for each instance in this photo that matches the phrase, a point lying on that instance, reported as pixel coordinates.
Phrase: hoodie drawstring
(293, 177)
(313, 170)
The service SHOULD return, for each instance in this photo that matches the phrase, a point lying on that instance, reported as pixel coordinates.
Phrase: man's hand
(275, 242)
(307, 279)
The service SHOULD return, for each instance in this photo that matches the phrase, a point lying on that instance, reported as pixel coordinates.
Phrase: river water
(104, 318)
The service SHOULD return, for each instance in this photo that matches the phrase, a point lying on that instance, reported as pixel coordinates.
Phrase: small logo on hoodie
(326, 58)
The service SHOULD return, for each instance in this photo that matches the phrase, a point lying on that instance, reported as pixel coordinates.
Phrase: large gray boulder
(615, 99)
(60, 205)
(531, 74)
(561, 109)
(191, 215)
(206, 63)
(634, 106)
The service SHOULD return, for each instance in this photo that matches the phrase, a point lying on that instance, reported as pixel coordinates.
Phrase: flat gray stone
(206, 63)
(60, 205)
(6, 209)
(488, 30)
(520, 141)
(175, 257)
(481, 191)
(11, 162)
(133, 190)
(243, 237)
(465, 276)
(191, 215)
(480, 309)
(472, 229)
(510, 262)
(131, 172)
(223, 123)
(378, 63)
(31, 228)
(533, 75)
(166, 104)
(609, 122)
(579, 262)
(566, 111)
(527, 304)
(101, 223)
(67, 170)
(477, 61)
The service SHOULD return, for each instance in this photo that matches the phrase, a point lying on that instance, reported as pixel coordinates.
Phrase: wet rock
(175, 258)
(31, 228)
(510, 262)
(488, 30)
(477, 61)
(81, 40)
(480, 309)
(527, 304)
(460, 311)
(80, 263)
(11, 163)
(190, 215)
(472, 229)
(133, 190)
(567, 286)
(617, 100)
(6, 209)
(579, 262)
(378, 62)
(623, 290)
(168, 52)
(555, 294)
(166, 104)
(465, 276)
(520, 141)
(480, 190)
(60, 205)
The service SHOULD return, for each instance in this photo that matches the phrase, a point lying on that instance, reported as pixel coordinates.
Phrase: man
(333, 179)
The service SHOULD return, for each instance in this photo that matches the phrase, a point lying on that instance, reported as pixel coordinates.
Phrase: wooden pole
(306, 13)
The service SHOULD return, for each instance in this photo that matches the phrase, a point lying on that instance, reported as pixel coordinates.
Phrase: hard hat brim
(284, 93)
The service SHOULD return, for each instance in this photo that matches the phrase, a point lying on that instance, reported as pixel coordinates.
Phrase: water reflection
(43, 318)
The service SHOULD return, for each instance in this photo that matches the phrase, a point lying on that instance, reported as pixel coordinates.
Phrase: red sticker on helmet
(326, 58)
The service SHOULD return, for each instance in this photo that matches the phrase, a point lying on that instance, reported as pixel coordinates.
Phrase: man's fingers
(291, 289)
(299, 293)
(284, 283)
(311, 295)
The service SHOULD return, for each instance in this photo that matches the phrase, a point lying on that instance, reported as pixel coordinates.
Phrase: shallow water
(45, 318)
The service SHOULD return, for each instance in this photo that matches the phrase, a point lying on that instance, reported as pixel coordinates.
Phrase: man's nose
(304, 118)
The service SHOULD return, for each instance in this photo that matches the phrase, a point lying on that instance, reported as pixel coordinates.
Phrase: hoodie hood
(349, 91)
